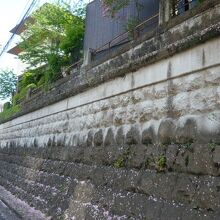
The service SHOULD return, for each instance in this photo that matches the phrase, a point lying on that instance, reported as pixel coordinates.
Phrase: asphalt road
(6, 213)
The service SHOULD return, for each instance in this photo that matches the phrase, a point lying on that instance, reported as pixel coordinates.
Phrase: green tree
(8, 82)
(54, 38)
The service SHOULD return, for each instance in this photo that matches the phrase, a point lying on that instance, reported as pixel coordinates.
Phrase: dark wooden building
(102, 29)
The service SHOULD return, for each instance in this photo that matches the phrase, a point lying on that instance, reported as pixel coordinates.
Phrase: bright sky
(11, 12)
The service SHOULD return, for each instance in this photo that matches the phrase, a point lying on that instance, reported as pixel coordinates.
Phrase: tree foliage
(8, 82)
(53, 39)
(112, 7)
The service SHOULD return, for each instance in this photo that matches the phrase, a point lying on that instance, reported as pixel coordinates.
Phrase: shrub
(23, 94)
(9, 112)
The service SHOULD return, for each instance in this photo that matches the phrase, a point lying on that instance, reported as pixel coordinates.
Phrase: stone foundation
(64, 189)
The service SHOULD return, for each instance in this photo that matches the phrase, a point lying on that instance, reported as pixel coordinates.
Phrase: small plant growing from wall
(212, 146)
(161, 163)
(122, 159)
(120, 162)
(131, 25)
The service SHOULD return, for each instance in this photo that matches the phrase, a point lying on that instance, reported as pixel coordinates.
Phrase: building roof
(19, 28)
(15, 50)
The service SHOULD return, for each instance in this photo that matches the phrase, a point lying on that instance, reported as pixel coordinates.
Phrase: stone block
(98, 138)
(186, 130)
(133, 135)
(184, 190)
(148, 136)
(109, 137)
(166, 131)
(90, 138)
(120, 137)
(136, 156)
(201, 161)
(216, 155)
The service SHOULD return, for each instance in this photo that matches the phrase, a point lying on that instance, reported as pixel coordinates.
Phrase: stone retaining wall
(142, 146)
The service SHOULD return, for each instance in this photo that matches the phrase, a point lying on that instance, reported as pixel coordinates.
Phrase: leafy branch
(8, 82)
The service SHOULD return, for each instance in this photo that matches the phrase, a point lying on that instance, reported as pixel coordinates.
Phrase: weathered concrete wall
(183, 87)
(141, 146)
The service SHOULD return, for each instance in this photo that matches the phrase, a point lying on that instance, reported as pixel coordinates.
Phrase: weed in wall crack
(212, 146)
(161, 163)
(121, 160)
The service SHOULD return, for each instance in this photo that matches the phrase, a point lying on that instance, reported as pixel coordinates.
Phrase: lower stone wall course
(190, 157)
(46, 186)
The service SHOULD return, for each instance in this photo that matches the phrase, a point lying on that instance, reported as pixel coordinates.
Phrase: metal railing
(128, 35)
(181, 6)
(75, 67)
